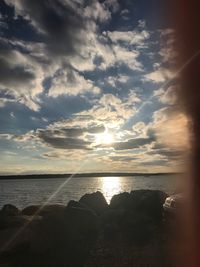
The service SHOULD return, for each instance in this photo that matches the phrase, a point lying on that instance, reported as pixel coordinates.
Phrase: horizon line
(91, 174)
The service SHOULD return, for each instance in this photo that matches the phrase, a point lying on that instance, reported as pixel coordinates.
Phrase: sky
(88, 86)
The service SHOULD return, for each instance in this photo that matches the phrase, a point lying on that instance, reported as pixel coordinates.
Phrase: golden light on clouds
(174, 132)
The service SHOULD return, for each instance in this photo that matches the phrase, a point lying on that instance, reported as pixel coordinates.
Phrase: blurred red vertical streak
(187, 25)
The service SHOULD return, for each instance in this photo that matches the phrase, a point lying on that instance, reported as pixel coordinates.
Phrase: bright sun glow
(104, 138)
(110, 186)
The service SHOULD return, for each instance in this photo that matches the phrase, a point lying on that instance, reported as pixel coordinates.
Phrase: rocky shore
(89, 232)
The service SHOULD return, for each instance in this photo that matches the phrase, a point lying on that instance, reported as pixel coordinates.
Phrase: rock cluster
(58, 235)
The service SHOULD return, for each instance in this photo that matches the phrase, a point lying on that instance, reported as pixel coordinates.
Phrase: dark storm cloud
(11, 73)
(64, 24)
(161, 162)
(166, 152)
(80, 131)
(124, 158)
(72, 132)
(68, 138)
(18, 76)
(96, 129)
(60, 23)
(132, 143)
(160, 149)
(66, 143)
(62, 142)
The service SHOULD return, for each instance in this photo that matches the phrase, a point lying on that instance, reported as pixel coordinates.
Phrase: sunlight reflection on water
(110, 186)
(24, 192)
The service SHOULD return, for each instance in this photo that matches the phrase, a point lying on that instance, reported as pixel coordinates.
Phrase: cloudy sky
(88, 86)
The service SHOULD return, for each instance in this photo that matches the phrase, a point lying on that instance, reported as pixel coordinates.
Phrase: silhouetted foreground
(128, 232)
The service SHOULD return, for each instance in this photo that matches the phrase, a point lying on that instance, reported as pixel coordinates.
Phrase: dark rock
(120, 201)
(137, 229)
(59, 239)
(10, 216)
(148, 202)
(75, 204)
(31, 210)
(64, 239)
(13, 221)
(142, 212)
(112, 215)
(64, 235)
(95, 201)
(110, 223)
(12, 238)
(83, 222)
(42, 211)
(9, 210)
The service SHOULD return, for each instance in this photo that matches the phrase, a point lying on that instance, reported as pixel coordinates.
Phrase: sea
(24, 192)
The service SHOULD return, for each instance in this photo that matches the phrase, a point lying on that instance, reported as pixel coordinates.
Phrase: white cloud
(118, 55)
(132, 98)
(140, 128)
(168, 52)
(71, 83)
(159, 76)
(113, 80)
(38, 62)
(123, 78)
(110, 100)
(97, 11)
(21, 75)
(167, 97)
(129, 37)
(111, 110)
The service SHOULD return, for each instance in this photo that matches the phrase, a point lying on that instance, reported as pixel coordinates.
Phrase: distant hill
(68, 175)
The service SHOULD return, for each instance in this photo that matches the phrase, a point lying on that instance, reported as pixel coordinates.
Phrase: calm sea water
(60, 190)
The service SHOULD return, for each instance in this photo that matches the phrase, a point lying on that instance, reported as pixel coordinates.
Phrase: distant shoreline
(77, 175)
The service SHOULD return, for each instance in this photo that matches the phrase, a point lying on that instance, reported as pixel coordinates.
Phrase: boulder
(142, 212)
(14, 247)
(137, 229)
(110, 223)
(148, 202)
(10, 217)
(58, 239)
(9, 210)
(75, 204)
(43, 211)
(14, 221)
(31, 210)
(82, 222)
(64, 239)
(95, 201)
(120, 201)
(13, 238)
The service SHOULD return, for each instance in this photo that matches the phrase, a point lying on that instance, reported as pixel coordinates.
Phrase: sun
(104, 138)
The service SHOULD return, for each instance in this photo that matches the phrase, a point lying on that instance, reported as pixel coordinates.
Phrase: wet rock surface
(88, 232)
